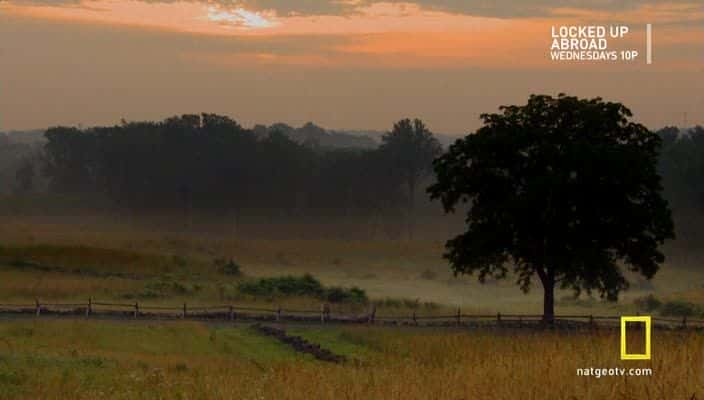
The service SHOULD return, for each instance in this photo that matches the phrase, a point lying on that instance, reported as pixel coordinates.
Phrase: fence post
(498, 318)
(415, 321)
(684, 321)
(89, 309)
(136, 309)
(38, 306)
(322, 313)
(372, 314)
(184, 311)
(230, 313)
(459, 315)
(278, 313)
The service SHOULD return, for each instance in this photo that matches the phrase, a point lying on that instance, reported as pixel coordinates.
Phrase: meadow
(63, 260)
(46, 359)
(67, 259)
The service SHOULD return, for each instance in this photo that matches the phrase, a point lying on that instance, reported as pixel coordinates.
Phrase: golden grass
(110, 360)
(18, 286)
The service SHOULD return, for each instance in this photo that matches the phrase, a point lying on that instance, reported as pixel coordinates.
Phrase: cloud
(239, 17)
(541, 8)
(485, 8)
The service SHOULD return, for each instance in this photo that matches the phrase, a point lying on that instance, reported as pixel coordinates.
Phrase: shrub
(338, 294)
(679, 308)
(228, 267)
(305, 285)
(648, 303)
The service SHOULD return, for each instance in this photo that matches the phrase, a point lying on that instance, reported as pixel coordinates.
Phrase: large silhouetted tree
(562, 188)
(410, 149)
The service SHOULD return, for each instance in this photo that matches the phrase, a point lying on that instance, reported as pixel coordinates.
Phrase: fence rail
(233, 312)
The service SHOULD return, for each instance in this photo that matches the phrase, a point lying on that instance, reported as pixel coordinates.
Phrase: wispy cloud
(239, 17)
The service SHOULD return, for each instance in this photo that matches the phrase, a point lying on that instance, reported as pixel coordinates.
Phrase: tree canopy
(410, 149)
(565, 189)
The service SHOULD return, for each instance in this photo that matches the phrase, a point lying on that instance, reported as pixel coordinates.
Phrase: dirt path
(299, 344)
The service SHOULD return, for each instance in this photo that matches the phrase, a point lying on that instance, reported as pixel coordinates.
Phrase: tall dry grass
(192, 361)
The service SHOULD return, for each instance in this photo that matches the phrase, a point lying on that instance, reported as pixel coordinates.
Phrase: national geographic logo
(624, 351)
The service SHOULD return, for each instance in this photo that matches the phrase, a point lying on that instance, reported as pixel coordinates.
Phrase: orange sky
(343, 64)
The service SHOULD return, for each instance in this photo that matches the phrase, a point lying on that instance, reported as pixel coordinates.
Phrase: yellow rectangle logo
(624, 355)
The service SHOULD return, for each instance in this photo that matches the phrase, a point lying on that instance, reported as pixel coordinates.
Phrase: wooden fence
(231, 312)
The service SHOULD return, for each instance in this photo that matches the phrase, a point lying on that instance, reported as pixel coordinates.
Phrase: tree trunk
(548, 281)
(549, 305)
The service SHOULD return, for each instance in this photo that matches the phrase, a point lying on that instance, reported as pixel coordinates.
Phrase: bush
(305, 285)
(648, 303)
(228, 267)
(679, 308)
(338, 294)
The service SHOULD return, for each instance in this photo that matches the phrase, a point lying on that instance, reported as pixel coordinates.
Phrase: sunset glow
(365, 35)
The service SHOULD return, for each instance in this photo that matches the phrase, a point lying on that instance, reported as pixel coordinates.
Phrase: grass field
(46, 359)
(63, 260)
(73, 259)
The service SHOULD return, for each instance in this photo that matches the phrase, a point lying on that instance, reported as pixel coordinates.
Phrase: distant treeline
(210, 163)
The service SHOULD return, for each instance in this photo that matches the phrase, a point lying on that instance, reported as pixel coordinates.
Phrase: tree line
(209, 163)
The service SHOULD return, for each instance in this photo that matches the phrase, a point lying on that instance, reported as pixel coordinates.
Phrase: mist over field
(328, 203)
